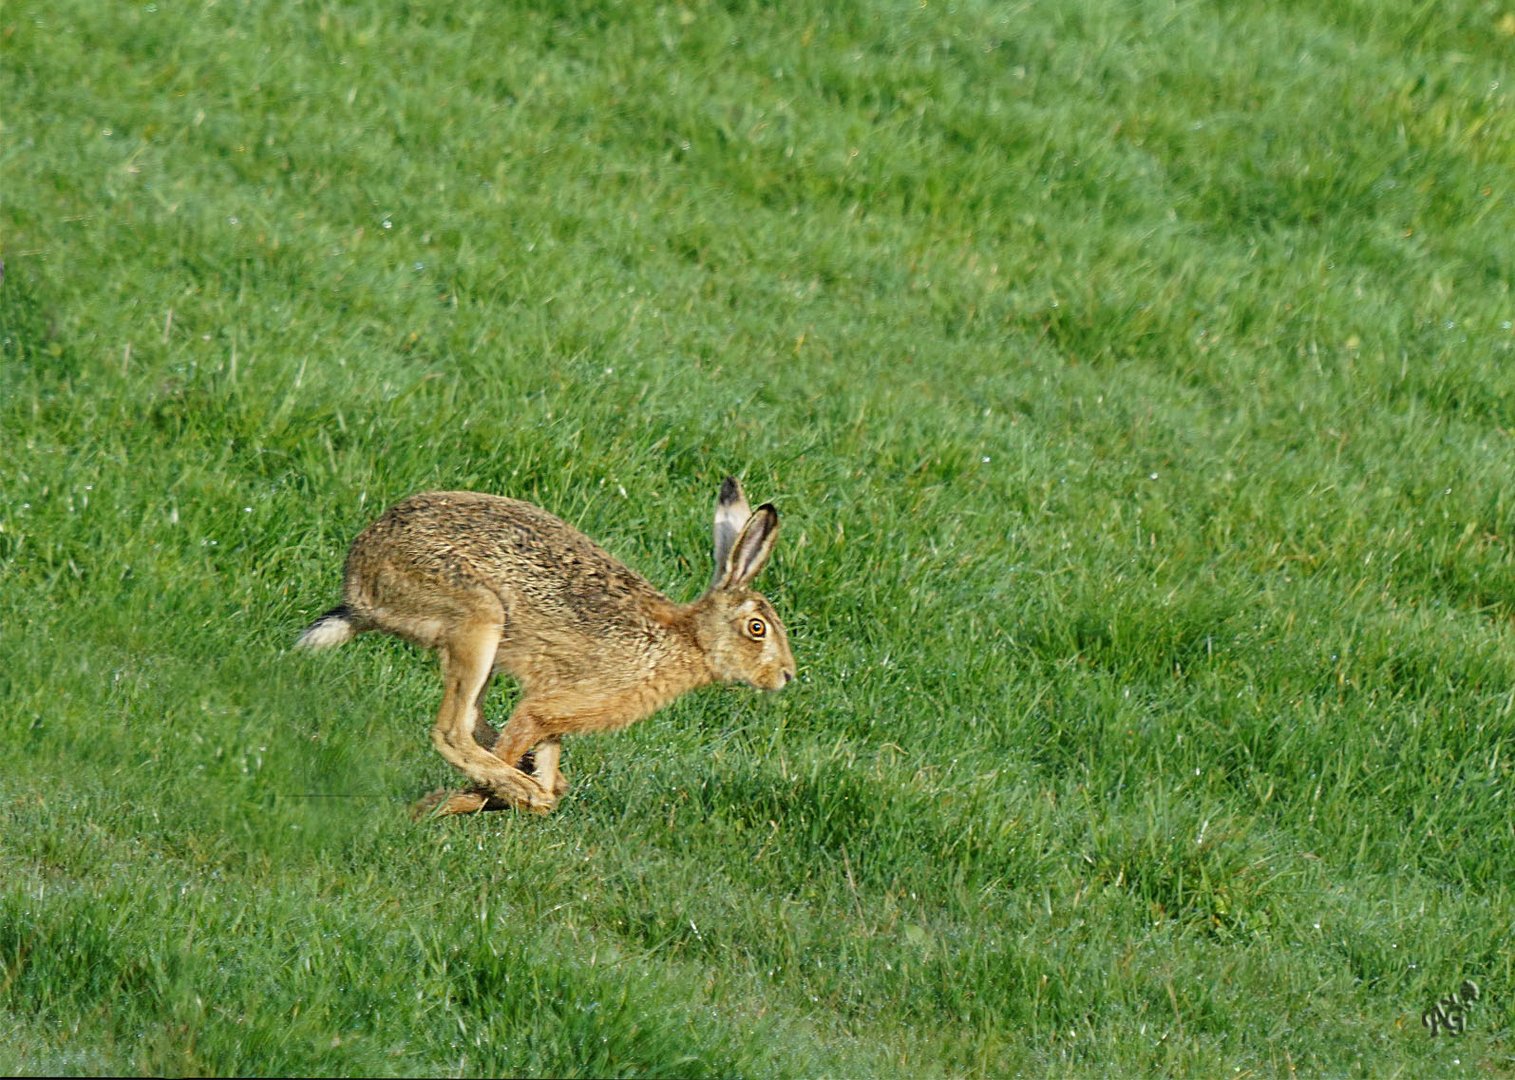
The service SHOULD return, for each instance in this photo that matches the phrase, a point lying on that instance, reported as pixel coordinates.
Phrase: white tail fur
(329, 631)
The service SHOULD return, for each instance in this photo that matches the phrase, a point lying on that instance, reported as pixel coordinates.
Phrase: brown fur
(495, 584)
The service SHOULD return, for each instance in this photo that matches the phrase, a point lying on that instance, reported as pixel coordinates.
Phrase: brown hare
(495, 584)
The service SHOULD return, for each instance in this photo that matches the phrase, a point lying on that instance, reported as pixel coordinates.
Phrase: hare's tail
(331, 629)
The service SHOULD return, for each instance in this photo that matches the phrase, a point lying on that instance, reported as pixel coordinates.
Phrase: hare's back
(532, 560)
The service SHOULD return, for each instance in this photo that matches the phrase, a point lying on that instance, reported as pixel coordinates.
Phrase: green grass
(1134, 381)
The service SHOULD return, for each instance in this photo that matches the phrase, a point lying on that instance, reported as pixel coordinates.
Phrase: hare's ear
(752, 548)
(731, 513)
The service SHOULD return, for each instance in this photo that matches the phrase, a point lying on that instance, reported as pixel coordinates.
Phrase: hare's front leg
(467, 662)
(529, 736)
(545, 766)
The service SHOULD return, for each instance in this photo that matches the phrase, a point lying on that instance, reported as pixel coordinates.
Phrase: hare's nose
(787, 676)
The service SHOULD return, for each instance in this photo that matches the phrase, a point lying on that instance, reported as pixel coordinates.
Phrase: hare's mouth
(774, 685)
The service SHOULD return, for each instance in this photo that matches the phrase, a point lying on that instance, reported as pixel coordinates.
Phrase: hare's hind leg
(443, 802)
(467, 662)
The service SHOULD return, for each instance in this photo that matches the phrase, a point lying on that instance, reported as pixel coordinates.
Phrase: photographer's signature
(1450, 1014)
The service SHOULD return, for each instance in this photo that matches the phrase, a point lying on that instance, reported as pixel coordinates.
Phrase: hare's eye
(756, 627)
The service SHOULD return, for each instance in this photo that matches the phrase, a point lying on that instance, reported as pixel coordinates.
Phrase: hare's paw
(430, 805)
(511, 787)
(529, 785)
(535, 798)
(444, 803)
(513, 790)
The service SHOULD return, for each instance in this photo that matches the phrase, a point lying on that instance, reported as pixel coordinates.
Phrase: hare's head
(738, 628)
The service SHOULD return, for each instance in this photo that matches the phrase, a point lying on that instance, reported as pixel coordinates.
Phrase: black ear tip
(731, 491)
(769, 509)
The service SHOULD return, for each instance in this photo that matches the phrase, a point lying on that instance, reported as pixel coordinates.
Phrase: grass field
(1136, 382)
